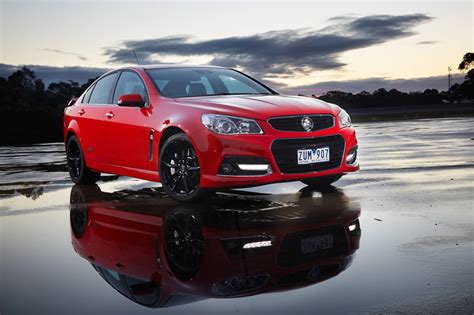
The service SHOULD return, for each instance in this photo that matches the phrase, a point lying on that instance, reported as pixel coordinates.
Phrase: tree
(467, 61)
(466, 89)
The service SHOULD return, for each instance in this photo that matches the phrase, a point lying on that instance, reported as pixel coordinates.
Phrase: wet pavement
(395, 237)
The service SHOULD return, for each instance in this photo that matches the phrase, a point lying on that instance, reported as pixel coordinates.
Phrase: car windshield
(192, 82)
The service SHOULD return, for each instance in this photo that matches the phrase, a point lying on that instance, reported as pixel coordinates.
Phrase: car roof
(171, 65)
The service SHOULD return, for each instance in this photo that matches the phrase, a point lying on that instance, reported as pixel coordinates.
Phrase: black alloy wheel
(180, 173)
(78, 171)
(74, 160)
(184, 244)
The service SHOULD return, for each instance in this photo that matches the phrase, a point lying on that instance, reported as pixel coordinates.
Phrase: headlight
(228, 125)
(344, 119)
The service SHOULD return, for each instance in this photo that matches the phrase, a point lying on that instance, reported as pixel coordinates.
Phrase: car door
(127, 130)
(90, 117)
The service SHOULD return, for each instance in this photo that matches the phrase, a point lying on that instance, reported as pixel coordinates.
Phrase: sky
(309, 47)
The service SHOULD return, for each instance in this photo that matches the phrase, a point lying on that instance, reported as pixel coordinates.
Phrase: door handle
(109, 115)
(81, 111)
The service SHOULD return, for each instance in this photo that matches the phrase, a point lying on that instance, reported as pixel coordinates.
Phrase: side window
(129, 83)
(103, 89)
(235, 86)
(86, 97)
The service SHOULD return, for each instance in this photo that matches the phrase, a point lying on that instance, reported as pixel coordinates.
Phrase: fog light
(257, 244)
(351, 156)
(226, 168)
(248, 245)
(352, 227)
(244, 166)
(255, 167)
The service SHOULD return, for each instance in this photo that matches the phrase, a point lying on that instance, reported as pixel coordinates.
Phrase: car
(159, 253)
(198, 129)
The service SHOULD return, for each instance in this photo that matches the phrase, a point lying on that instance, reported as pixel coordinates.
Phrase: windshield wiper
(223, 93)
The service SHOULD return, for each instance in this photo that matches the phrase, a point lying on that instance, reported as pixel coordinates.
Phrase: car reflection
(160, 253)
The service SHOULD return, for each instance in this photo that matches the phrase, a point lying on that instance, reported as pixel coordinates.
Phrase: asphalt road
(414, 254)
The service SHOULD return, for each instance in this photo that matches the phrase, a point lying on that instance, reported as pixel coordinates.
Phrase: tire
(183, 243)
(323, 181)
(76, 164)
(179, 169)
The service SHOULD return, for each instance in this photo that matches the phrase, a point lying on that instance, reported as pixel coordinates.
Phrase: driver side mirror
(131, 100)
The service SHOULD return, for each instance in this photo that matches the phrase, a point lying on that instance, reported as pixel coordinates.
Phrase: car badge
(307, 123)
(313, 273)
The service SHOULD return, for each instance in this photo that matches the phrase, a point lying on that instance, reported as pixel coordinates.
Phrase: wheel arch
(167, 133)
(72, 130)
(69, 134)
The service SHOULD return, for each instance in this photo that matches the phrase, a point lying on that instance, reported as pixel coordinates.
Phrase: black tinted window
(86, 97)
(129, 83)
(188, 82)
(103, 90)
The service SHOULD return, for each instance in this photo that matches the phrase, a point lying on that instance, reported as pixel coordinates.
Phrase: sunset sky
(297, 46)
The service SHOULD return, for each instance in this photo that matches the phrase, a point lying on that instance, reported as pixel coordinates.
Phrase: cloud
(427, 42)
(280, 53)
(371, 84)
(51, 74)
(79, 56)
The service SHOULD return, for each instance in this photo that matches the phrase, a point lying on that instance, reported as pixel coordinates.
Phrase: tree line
(30, 112)
(383, 98)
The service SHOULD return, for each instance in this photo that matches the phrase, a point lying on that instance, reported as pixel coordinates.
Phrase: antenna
(138, 62)
(449, 78)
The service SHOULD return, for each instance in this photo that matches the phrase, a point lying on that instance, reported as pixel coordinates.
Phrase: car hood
(259, 106)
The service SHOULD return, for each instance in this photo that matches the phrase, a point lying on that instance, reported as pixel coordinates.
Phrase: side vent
(150, 144)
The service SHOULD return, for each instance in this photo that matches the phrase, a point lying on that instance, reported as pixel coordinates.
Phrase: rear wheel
(180, 173)
(323, 181)
(78, 171)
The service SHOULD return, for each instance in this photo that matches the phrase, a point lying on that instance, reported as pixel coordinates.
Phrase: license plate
(315, 155)
(313, 244)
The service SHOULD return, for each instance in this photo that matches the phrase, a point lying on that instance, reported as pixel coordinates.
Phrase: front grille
(285, 153)
(290, 253)
(293, 123)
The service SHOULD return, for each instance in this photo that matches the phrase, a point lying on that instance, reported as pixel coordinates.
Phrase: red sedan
(200, 128)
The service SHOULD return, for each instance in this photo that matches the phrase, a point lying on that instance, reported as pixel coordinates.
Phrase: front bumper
(213, 148)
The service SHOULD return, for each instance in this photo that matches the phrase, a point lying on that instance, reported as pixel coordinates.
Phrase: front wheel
(180, 173)
(323, 181)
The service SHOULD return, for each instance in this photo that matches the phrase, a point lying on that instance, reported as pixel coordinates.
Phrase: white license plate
(315, 155)
(313, 244)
